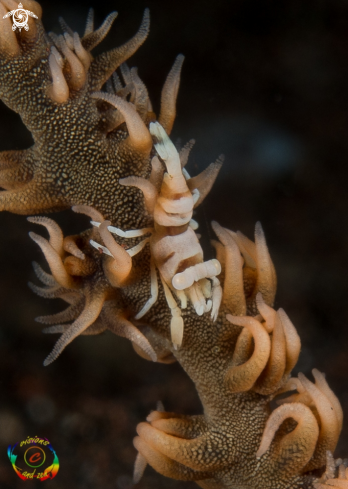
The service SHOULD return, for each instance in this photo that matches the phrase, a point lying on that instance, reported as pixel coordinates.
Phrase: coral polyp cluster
(139, 269)
(93, 305)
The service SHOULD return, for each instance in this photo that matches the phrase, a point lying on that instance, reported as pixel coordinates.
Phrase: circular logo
(34, 458)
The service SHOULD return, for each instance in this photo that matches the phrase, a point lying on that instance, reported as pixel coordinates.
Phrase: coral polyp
(139, 269)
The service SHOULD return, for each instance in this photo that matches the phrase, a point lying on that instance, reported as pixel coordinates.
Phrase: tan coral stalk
(159, 292)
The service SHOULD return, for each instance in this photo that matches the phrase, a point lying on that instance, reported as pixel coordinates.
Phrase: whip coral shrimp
(176, 253)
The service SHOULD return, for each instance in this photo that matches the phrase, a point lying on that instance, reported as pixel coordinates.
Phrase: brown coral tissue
(226, 272)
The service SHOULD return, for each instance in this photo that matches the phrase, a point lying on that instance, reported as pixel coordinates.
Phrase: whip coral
(139, 269)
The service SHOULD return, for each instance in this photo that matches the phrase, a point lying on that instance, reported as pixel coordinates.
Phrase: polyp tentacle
(139, 138)
(44, 277)
(70, 245)
(169, 95)
(291, 452)
(269, 380)
(267, 312)
(293, 342)
(94, 304)
(81, 52)
(263, 372)
(205, 180)
(48, 292)
(184, 427)
(198, 453)
(89, 28)
(93, 37)
(148, 189)
(77, 70)
(188, 427)
(233, 291)
(55, 262)
(88, 211)
(320, 439)
(154, 292)
(69, 314)
(80, 267)
(156, 175)
(117, 269)
(329, 423)
(58, 91)
(96, 328)
(266, 277)
(176, 323)
(55, 232)
(117, 322)
(322, 384)
(165, 465)
(258, 267)
(141, 99)
(328, 480)
(242, 377)
(105, 64)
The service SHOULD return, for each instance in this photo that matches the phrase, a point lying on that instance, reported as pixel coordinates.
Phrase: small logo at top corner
(20, 18)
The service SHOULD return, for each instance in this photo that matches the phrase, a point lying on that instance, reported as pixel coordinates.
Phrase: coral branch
(139, 270)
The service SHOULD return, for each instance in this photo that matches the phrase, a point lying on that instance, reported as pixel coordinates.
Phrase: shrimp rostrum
(170, 197)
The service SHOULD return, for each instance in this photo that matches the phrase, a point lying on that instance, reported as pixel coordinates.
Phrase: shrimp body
(176, 253)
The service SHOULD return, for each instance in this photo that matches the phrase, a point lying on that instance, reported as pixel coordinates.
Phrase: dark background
(265, 83)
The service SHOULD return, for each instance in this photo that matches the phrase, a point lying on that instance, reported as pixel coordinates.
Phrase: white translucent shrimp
(176, 253)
